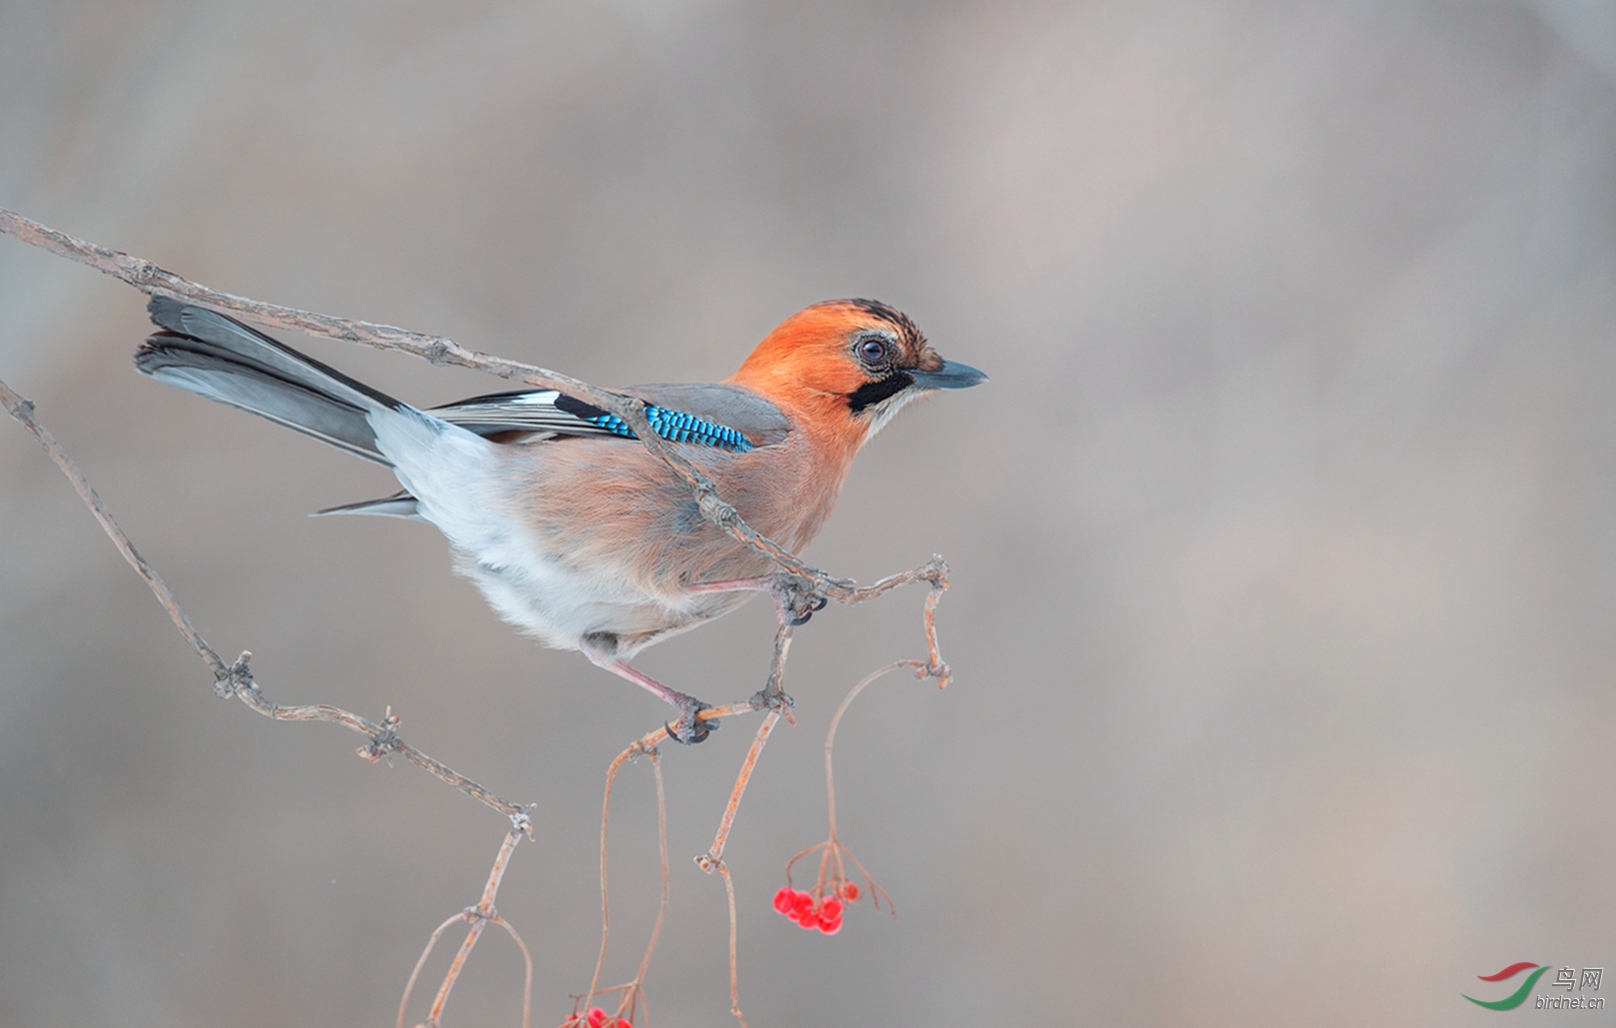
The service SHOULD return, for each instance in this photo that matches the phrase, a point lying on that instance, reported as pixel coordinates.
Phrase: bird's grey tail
(398, 505)
(222, 359)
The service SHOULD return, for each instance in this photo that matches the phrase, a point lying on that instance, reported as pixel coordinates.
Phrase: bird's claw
(801, 613)
(690, 729)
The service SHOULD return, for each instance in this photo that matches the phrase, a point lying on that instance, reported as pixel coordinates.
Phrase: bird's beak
(952, 375)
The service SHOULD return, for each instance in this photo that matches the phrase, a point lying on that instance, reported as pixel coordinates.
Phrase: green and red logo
(1515, 998)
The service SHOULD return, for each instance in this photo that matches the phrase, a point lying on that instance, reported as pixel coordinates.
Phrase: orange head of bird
(847, 366)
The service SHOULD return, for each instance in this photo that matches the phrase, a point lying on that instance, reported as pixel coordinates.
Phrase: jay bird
(571, 529)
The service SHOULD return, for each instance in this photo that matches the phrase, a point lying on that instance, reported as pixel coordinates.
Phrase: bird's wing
(720, 416)
(746, 412)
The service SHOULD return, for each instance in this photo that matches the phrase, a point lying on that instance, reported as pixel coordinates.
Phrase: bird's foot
(690, 729)
(794, 599)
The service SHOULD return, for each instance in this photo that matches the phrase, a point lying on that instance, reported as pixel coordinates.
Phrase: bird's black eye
(874, 351)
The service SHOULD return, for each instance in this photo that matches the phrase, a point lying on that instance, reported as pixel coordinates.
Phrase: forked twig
(479, 916)
(236, 679)
(832, 854)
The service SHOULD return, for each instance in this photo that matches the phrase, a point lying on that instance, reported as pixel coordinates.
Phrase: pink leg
(762, 584)
(793, 605)
(687, 729)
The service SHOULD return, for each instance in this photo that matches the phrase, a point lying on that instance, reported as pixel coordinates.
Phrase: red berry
(809, 918)
(830, 910)
(596, 1017)
(850, 892)
(832, 925)
(783, 900)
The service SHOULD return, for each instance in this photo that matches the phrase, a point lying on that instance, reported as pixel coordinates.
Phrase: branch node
(522, 821)
(235, 678)
(709, 863)
(142, 272)
(386, 742)
(718, 511)
(773, 698)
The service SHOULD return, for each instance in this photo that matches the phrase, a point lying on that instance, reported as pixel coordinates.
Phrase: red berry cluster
(801, 908)
(595, 1017)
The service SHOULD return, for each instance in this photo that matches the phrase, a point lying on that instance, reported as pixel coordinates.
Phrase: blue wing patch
(549, 411)
(674, 426)
(677, 427)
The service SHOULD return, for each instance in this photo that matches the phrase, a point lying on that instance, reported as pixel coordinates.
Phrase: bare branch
(23, 411)
(150, 278)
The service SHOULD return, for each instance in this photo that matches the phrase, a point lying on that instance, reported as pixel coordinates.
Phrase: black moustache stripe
(871, 393)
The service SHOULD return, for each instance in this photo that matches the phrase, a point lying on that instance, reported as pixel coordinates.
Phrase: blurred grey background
(1284, 534)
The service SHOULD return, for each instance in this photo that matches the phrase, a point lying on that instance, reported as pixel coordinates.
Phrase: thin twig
(635, 748)
(23, 411)
(734, 972)
(715, 856)
(832, 853)
(527, 959)
(662, 851)
(713, 859)
(773, 696)
(409, 986)
(835, 722)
